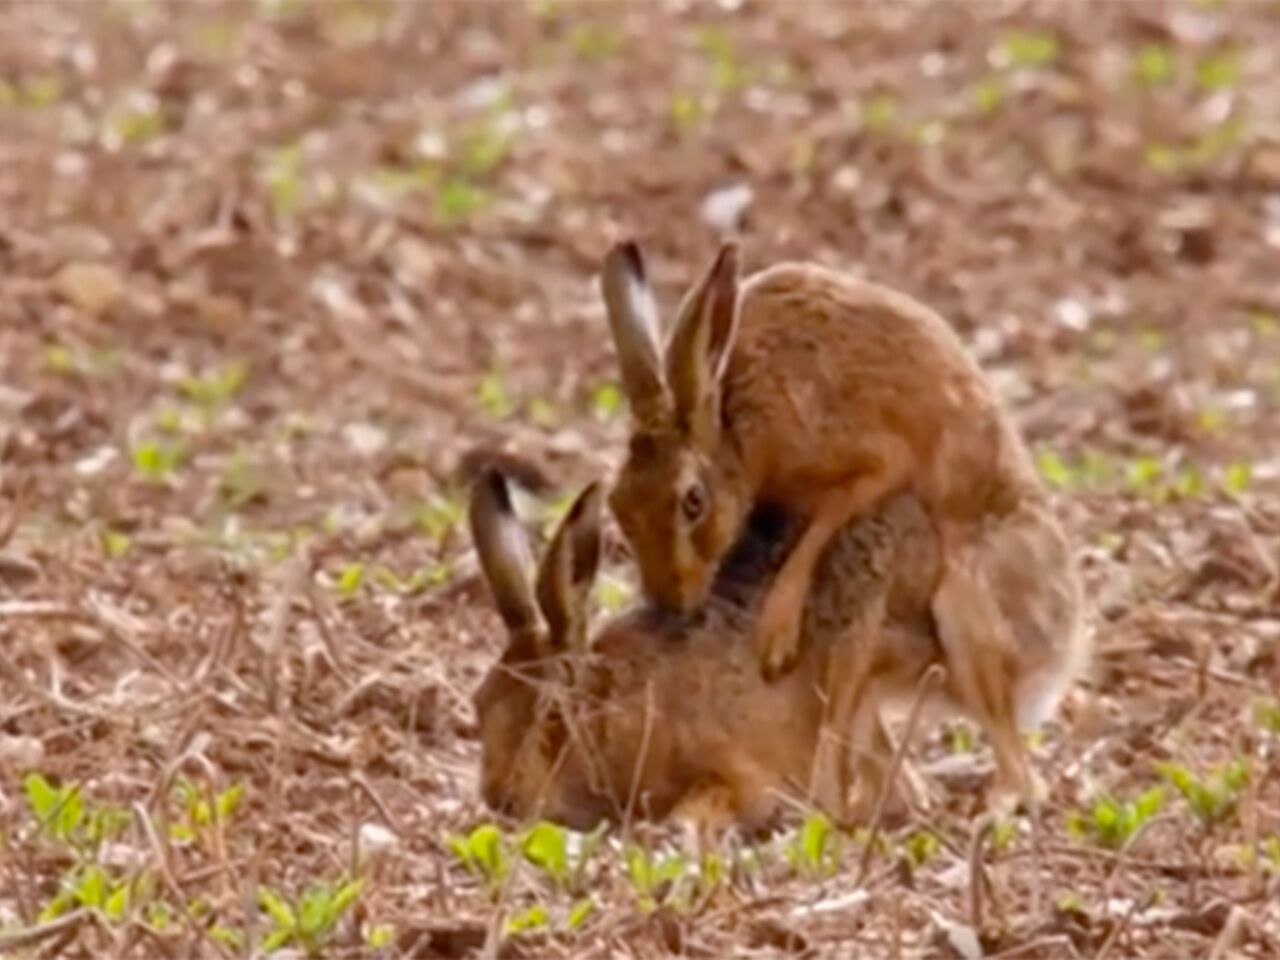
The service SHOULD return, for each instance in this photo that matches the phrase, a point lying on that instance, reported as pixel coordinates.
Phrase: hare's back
(824, 365)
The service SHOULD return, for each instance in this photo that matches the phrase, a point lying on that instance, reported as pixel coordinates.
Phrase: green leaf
(229, 800)
(118, 903)
(1236, 477)
(1031, 48)
(349, 579)
(277, 939)
(277, 908)
(159, 915)
(815, 837)
(545, 847)
(1217, 72)
(579, 913)
(1154, 65)
(315, 910)
(380, 935)
(42, 797)
(91, 888)
(606, 401)
(535, 918)
(56, 907)
(347, 894)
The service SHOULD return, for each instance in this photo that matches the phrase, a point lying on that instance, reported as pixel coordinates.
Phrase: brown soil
(387, 221)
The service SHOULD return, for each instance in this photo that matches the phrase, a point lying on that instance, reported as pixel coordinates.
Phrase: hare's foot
(778, 627)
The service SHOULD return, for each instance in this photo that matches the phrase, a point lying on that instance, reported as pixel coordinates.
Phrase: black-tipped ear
(568, 571)
(701, 342)
(633, 321)
(503, 551)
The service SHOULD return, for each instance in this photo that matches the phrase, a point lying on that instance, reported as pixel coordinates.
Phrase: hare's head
(679, 498)
(523, 729)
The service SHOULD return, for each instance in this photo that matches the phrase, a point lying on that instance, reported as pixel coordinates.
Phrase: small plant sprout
(1111, 822)
(483, 852)
(282, 174)
(921, 847)
(526, 921)
(607, 401)
(1213, 798)
(116, 544)
(350, 577)
(66, 818)
(1236, 478)
(1266, 713)
(440, 514)
(203, 820)
(214, 389)
(156, 460)
(1028, 49)
(494, 396)
(310, 921)
(1154, 65)
(653, 878)
(815, 848)
(562, 856)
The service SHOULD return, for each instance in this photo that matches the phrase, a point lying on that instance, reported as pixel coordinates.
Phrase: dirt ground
(271, 274)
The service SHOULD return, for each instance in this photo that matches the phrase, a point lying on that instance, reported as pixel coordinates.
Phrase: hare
(824, 394)
(667, 714)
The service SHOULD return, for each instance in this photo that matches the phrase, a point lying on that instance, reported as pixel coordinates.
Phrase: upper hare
(821, 393)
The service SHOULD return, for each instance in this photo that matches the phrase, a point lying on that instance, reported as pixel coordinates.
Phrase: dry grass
(269, 273)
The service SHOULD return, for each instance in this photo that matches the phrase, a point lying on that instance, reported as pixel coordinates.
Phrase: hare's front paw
(778, 631)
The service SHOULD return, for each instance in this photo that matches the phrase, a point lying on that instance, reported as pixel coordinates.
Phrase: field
(275, 277)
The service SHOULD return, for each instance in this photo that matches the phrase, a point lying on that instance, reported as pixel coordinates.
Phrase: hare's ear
(504, 556)
(569, 569)
(633, 320)
(701, 341)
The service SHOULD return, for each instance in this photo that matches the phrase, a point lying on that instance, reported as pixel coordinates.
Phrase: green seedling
(579, 913)
(379, 936)
(594, 43)
(653, 879)
(1236, 478)
(960, 737)
(349, 579)
(546, 845)
(65, 817)
(198, 816)
(432, 575)
(116, 544)
(1216, 72)
(728, 73)
(1153, 65)
(156, 460)
(282, 174)
(921, 847)
(688, 112)
(459, 199)
(815, 849)
(987, 94)
(613, 595)
(310, 921)
(494, 396)
(530, 920)
(93, 888)
(483, 852)
(1266, 713)
(1213, 798)
(441, 514)
(1271, 855)
(214, 390)
(241, 482)
(42, 90)
(1111, 822)
(1030, 49)
(607, 401)
(134, 126)
(880, 112)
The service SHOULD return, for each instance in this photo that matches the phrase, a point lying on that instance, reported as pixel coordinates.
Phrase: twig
(1114, 937)
(930, 679)
(981, 830)
(1230, 933)
(13, 939)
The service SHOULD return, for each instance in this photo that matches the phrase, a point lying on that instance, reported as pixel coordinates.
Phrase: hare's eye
(694, 503)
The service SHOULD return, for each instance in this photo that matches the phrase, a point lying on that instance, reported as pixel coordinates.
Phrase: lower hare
(667, 714)
(824, 394)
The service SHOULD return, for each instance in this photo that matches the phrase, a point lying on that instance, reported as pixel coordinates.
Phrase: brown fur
(667, 714)
(826, 394)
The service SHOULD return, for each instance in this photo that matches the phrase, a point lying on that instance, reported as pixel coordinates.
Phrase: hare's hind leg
(981, 657)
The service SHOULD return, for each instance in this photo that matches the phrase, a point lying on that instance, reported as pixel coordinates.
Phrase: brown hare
(823, 394)
(665, 714)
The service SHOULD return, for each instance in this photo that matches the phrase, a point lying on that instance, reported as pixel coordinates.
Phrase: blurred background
(271, 274)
